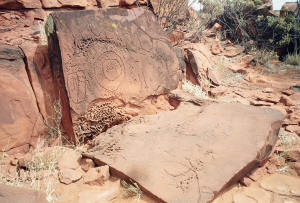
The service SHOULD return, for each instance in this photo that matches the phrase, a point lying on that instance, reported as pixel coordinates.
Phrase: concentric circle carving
(109, 70)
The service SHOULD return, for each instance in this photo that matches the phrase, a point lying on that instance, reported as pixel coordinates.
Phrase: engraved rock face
(192, 153)
(111, 54)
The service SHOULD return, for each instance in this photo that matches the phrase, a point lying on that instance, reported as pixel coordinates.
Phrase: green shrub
(246, 21)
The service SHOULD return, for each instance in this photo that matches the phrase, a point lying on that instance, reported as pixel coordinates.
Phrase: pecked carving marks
(77, 86)
(194, 164)
(114, 53)
(110, 71)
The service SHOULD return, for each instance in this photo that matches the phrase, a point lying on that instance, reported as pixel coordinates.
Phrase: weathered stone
(70, 160)
(176, 36)
(246, 60)
(113, 54)
(200, 62)
(50, 4)
(286, 101)
(236, 68)
(293, 128)
(97, 176)
(68, 176)
(100, 195)
(73, 3)
(87, 164)
(17, 4)
(296, 98)
(10, 194)
(268, 90)
(281, 184)
(20, 120)
(108, 3)
(42, 80)
(288, 92)
(216, 48)
(232, 51)
(272, 98)
(177, 156)
(67, 3)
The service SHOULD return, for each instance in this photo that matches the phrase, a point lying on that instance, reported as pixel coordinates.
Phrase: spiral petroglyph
(109, 70)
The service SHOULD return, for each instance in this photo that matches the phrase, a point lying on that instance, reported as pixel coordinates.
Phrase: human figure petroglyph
(113, 56)
(77, 86)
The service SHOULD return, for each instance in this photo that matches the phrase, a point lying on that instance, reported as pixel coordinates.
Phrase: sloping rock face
(108, 55)
(192, 153)
(20, 120)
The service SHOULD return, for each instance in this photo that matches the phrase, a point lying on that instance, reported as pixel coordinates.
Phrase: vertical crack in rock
(57, 70)
(30, 81)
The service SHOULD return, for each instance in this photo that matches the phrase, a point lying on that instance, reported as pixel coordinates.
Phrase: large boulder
(109, 56)
(192, 153)
(20, 120)
(42, 82)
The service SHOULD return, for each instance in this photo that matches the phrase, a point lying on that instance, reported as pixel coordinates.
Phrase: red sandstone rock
(87, 164)
(293, 128)
(41, 79)
(192, 159)
(296, 98)
(136, 59)
(201, 64)
(232, 51)
(97, 176)
(17, 4)
(127, 2)
(70, 160)
(216, 48)
(20, 120)
(108, 3)
(176, 36)
(73, 3)
(236, 68)
(286, 101)
(50, 4)
(216, 28)
(246, 60)
(288, 92)
(98, 194)
(68, 176)
(272, 98)
(10, 194)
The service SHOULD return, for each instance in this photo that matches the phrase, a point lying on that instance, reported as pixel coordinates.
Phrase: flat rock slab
(111, 54)
(192, 153)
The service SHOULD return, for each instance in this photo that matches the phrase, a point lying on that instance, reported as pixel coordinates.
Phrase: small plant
(171, 13)
(292, 59)
(263, 56)
(53, 123)
(40, 172)
(194, 90)
(288, 139)
(131, 189)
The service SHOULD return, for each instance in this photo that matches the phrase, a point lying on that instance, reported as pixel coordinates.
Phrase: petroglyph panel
(113, 53)
(192, 153)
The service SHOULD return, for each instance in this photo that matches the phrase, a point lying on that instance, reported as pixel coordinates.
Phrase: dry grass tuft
(293, 59)
(131, 189)
(194, 90)
(40, 172)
